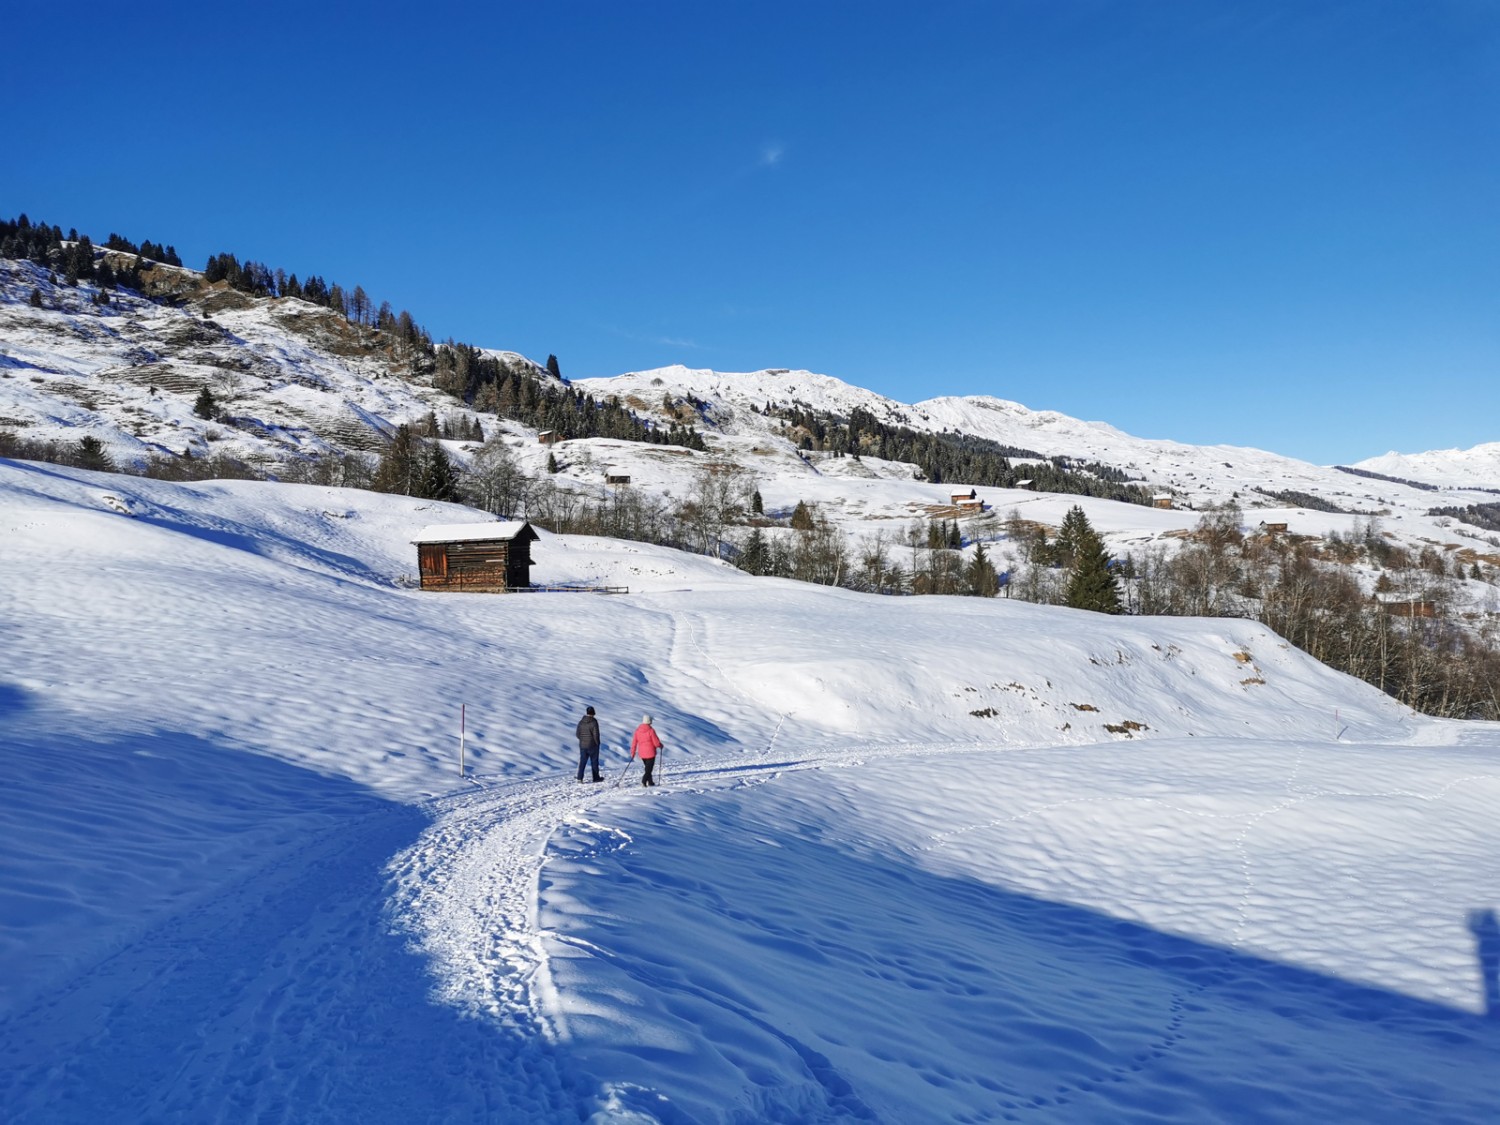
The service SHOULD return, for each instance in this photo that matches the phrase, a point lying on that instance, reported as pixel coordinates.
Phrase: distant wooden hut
(548, 437)
(616, 478)
(488, 558)
(1410, 608)
(1161, 500)
(967, 502)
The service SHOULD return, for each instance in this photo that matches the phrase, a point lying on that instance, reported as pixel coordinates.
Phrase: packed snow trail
(283, 997)
(670, 961)
(335, 982)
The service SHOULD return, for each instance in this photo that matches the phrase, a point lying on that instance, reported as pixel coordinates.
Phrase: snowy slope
(868, 497)
(900, 868)
(1478, 467)
(301, 381)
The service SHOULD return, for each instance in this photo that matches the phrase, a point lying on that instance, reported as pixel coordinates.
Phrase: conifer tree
(980, 574)
(1091, 582)
(437, 480)
(399, 464)
(1075, 528)
(755, 556)
(802, 518)
(91, 455)
(205, 406)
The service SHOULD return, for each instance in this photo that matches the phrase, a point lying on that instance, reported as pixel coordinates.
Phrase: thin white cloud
(649, 338)
(772, 155)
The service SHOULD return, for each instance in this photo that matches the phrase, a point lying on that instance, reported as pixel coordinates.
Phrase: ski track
(363, 925)
(261, 988)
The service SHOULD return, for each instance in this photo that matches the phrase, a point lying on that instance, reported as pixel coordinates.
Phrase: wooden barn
(967, 501)
(486, 558)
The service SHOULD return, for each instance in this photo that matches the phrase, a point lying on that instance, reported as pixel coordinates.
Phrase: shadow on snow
(201, 936)
(987, 1002)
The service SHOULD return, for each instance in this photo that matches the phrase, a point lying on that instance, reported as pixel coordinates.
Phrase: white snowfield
(899, 868)
(1446, 468)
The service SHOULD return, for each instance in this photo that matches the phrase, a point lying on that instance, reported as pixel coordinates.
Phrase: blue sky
(1259, 223)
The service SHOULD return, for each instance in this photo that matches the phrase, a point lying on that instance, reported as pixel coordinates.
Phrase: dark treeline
(953, 457)
(1486, 516)
(73, 255)
(44, 245)
(490, 385)
(517, 390)
(1292, 498)
(1370, 475)
(257, 279)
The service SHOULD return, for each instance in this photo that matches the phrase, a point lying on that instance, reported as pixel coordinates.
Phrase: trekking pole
(621, 776)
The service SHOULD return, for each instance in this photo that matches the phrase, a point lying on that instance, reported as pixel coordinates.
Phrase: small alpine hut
(967, 501)
(485, 558)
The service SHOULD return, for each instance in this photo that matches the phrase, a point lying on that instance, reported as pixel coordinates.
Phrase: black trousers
(588, 756)
(650, 764)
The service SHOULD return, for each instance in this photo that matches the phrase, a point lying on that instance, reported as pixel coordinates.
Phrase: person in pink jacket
(644, 745)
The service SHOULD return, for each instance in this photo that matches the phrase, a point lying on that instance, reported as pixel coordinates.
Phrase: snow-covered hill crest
(1478, 467)
(294, 380)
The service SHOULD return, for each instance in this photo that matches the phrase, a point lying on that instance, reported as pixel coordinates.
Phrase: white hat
(646, 719)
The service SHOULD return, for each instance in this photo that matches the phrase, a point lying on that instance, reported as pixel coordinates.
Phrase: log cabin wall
(473, 566)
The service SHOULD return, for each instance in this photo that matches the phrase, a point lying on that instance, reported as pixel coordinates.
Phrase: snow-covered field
(899, 869)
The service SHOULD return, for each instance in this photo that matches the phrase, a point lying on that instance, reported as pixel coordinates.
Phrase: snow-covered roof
(470, 532)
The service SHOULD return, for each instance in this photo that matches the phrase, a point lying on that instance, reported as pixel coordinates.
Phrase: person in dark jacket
(588, 744)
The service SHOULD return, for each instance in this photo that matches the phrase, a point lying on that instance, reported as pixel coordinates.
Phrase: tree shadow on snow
(195, 933)
(1486, 929)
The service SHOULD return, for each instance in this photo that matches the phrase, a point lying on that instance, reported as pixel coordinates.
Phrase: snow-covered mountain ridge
(1446, 468)
(296, 380)
(1198, 476)
(301, 380)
